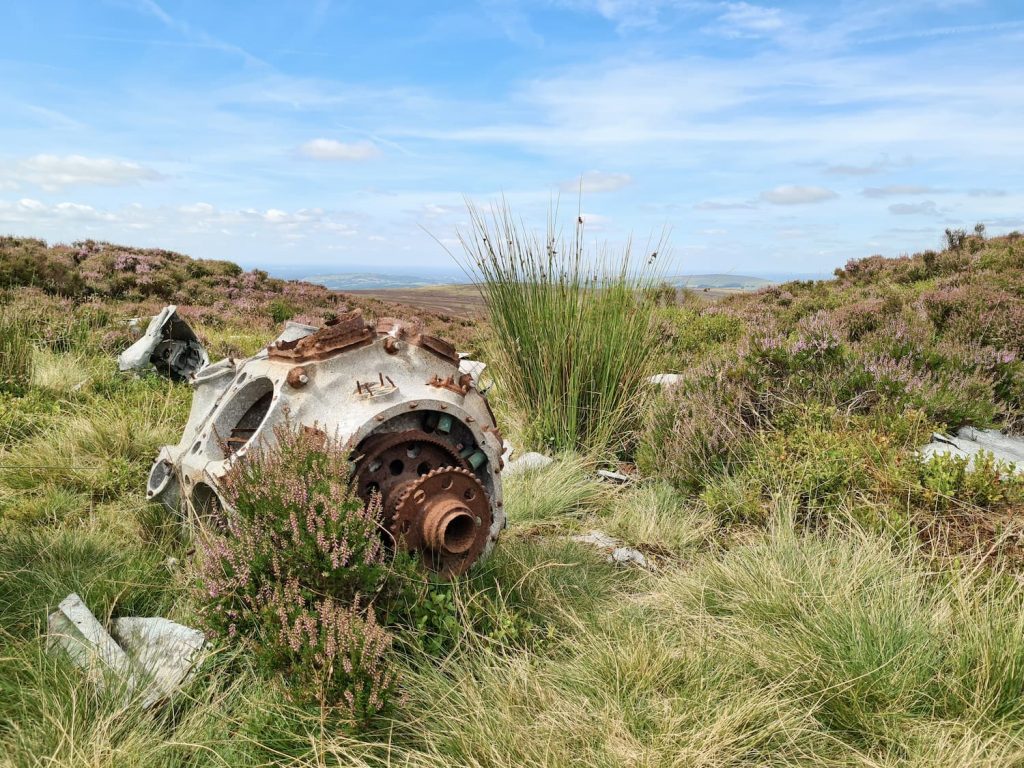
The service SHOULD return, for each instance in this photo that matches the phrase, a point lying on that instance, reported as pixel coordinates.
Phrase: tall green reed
(572, 330)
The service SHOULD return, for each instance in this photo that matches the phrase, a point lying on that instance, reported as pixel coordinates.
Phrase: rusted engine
(422, 436)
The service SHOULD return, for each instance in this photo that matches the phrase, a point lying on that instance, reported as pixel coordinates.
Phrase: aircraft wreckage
(423, 437)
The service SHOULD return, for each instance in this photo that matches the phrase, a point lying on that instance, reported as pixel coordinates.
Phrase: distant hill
(373, 281)
(742, 282)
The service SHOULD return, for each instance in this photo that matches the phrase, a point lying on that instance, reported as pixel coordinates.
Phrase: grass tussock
(571, 331)
(564, 491)
(16, 352)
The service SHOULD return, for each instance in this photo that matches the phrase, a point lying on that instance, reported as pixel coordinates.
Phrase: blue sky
(767, 138)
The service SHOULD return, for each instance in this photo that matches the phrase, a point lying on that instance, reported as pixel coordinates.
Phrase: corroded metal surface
(446, 515)
(417, 426)
(350, 330)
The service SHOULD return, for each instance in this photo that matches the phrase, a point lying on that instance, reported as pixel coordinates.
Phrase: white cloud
(197, 218)
(597, 181)
(54, 172)
(926, 208)
(198, 209)
(894, 190)
(854, 170)
(789, 194)
(987, 192)
(330, 149)
(716, 205)
(747, 20)
(27, 210)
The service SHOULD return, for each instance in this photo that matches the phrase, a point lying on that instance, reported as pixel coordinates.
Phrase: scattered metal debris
(665, 379)
(423, 437)
(73, 629)
(473, 368)
(169, 345)
(155, 653)
(613, 477)
(165, 650)
(527, 462)
(617, 553)
(969, 441)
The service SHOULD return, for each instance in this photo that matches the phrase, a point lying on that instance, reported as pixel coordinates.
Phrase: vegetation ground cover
(820, 597)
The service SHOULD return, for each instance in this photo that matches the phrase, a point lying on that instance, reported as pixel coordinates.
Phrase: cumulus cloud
(54, 172)
(853, 170)
(884, 163)
(330, 149)
(715, 205)
(789, 194)
(925, 208)
(894, 190)
(192, 218)
(597, 181)
(748, 20)
(28, 210)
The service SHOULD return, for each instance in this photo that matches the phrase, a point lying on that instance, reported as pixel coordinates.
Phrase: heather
(292, 567)
(830, 385)
(72, 289)
(818, 595)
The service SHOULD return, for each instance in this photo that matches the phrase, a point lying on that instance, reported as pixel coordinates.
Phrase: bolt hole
(396, 467)
(423, 468)
(469, 495)
(446, 484)
(375, 465)
(412, 451)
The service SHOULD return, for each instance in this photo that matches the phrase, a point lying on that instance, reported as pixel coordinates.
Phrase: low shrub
(980, 481)
(698, 428)
(292, 568)
(281, 311)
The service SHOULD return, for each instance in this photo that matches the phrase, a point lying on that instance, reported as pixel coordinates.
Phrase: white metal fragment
(73, 629)
(969, 441)
(527, 462)
(166, 651)
(170, 345)
(154, 654)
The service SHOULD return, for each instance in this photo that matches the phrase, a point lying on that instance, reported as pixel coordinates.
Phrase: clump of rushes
(291, 570)
(15, 352)
(572, 331)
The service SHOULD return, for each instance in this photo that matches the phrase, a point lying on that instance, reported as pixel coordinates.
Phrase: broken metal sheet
(527, 462)
(665, 379)
(169, 345)
(617, 554)
(969, 441)
(612, 477)
(294, 331)
(166, 651)
(474, 368)
(155, 654)
(73, 629)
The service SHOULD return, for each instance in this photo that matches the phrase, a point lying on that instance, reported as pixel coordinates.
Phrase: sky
(321, 135)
